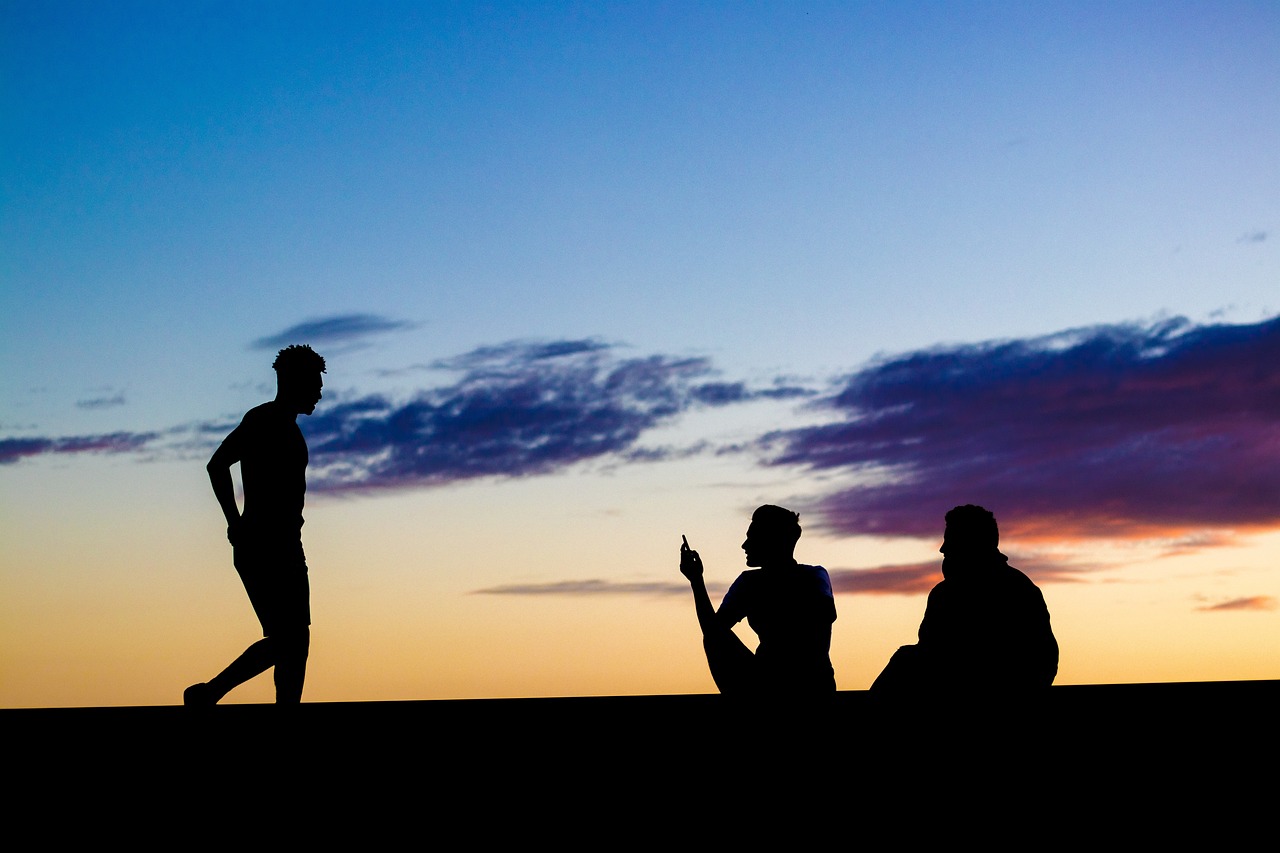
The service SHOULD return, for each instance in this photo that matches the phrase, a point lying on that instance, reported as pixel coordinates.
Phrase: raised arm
(691, 568)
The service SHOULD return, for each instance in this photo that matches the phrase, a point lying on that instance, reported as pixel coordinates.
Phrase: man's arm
(224, 489)
(691, 568)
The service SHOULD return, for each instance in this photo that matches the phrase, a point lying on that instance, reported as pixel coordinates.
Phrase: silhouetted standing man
(985, 633)
(789, 606)
(267, 536)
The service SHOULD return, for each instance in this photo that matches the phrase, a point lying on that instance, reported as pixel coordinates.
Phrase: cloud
(917, 578)
(501, 359)
(342, 329)
(1256, 602)
(1165, 430)
(1196, 542)
(1253, 237)
(905, 579)
(725, 393)
(909, 579)
(101, 402)
(14, 449)
(517, 409)
(592, 587)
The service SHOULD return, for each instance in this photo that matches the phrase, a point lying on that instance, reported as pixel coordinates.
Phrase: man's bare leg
(254, 661)
(291, 665)
(732, 663)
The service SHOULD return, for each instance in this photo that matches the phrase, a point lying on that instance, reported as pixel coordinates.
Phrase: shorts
(274, 573)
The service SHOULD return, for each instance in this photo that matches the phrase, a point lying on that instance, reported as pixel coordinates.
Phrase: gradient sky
(592, 276)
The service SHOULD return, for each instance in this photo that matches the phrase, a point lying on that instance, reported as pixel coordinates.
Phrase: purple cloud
(14, 449)
(1109, 431)
(518, 409)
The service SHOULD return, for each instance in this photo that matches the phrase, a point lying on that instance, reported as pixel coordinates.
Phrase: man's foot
(199, 694)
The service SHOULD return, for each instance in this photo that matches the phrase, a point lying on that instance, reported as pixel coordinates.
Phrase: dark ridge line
(851, 698)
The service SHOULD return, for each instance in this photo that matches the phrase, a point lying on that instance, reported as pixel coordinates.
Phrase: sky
(592, 276)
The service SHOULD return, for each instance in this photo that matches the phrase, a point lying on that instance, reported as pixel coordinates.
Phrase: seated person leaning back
(985, 635)
(788, 605)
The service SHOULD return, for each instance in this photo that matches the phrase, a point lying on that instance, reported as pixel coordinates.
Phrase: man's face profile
(301, 391)
(959, 547)
(762, 546)
(753, 547)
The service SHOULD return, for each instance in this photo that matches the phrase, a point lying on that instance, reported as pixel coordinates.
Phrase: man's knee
(296, 641)
(290, 642)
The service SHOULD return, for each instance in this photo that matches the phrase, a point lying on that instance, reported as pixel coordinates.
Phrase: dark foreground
(1132, 762)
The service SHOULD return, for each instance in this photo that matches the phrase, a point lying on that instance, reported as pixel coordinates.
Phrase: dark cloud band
(14, 449)
(1110, 431)
(517, 409)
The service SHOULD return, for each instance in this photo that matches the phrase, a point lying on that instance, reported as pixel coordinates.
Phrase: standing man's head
(772, 536)
(971, 535)
(298, 383)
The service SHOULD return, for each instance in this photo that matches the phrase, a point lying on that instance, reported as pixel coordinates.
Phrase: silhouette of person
(985, 632)
(267, 536)
(788, 605)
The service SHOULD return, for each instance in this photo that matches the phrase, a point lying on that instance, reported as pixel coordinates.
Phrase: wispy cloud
(907, 579)
(14, 449)
(101, 402)
(1196, 542)
(341, 329)
(916, 578)
(1112, 431)
(593, 588)
(501, 359)
(1253, 237)
(517, 409)
(1255, 602)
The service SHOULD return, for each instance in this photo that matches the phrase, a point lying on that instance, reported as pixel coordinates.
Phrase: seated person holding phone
(789, 606)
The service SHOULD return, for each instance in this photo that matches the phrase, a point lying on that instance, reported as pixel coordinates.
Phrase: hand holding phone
(690, 562)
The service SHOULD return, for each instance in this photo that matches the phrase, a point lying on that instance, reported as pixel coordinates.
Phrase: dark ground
(1095, 763)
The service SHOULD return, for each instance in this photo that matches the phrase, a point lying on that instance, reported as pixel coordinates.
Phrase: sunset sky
(591, 276)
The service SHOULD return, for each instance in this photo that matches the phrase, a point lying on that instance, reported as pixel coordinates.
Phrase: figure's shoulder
(940, 589)
(754, 584)
(262, 412)
(263, 425)
(1016, 581)
(1015, 576)
(819, 575)
(268, 415)
(741, 593)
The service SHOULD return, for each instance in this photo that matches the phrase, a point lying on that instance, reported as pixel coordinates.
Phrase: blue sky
(650, 234)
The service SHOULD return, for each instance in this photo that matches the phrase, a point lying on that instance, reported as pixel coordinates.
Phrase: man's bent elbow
(219, 462)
